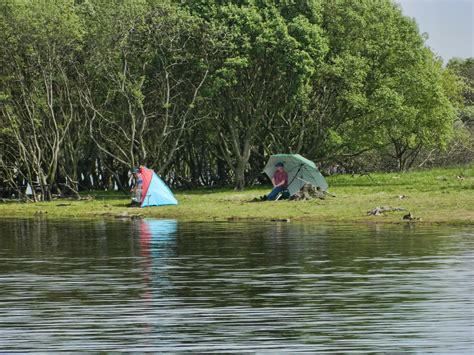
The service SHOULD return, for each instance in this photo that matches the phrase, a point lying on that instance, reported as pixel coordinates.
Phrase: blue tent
(154, 190)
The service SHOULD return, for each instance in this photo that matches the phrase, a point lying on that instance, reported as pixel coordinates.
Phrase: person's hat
(279, 164)
(134, 170)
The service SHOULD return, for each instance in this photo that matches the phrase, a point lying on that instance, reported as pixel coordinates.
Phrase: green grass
(435, 196)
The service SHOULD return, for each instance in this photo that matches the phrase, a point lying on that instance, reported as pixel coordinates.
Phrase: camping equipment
(154, 190)
(300, 171)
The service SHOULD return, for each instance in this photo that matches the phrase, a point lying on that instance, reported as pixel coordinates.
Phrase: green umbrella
(299, 169)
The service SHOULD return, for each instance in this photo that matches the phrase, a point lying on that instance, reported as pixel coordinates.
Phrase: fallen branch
(377, 211)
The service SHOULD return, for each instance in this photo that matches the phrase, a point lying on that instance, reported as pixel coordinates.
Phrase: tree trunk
(239, 171)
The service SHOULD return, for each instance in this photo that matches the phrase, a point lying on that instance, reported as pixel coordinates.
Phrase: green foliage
(389, 86)
(464, 72)
(204, 91)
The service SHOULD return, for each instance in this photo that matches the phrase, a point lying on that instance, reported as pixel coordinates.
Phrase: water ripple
(158, 286)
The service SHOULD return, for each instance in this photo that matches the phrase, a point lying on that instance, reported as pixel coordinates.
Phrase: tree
(383, 87)
(260, 71)
(464, 69)
(152, 86)
(203, 91)
(41, 43)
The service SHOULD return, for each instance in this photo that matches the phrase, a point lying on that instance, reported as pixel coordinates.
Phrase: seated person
(279, 181)
(136, 190)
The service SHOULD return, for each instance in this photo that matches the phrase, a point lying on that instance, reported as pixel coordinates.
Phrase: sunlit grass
(436, 196)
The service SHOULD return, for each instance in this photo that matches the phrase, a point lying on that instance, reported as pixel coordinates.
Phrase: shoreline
(367, 222)
(437, 197)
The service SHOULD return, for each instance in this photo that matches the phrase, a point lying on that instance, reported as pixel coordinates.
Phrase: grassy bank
(435, 196)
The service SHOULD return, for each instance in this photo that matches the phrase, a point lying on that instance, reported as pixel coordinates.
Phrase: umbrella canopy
(299, 169)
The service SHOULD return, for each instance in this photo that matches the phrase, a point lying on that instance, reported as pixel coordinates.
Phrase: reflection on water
(167, 286)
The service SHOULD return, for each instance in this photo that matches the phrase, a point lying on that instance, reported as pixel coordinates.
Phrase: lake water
(159, 285)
